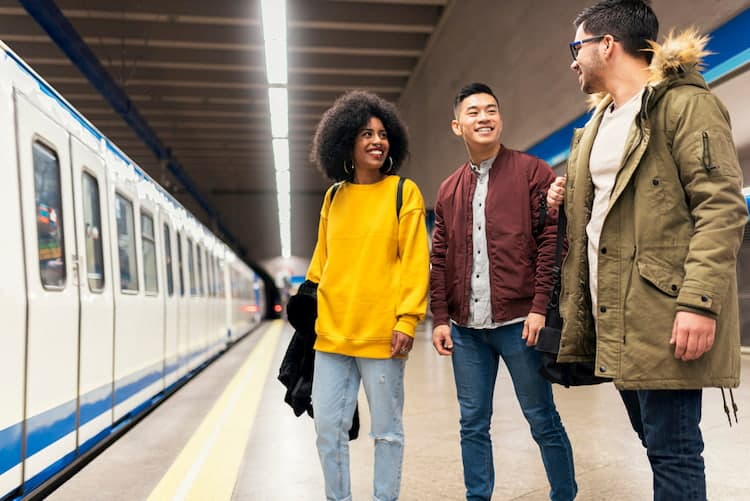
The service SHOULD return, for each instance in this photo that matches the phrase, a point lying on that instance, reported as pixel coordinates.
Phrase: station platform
(228, 435)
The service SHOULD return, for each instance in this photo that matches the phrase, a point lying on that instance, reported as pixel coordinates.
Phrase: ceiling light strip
(274, 21)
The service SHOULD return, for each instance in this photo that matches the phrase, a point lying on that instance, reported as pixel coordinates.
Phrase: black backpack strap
(334, 189)
(542, 212)
(400, 196)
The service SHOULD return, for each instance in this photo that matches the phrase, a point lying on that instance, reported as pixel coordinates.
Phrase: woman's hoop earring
(390, 166)
(347, 169)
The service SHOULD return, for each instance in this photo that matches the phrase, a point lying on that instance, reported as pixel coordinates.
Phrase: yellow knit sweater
(372, 269)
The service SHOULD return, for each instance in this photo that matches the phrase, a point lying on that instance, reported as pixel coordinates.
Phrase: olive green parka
(670, 239)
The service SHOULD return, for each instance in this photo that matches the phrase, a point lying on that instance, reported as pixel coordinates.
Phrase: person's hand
(692, 335)
(441, 340)
(556, 193)
(400, 344)
(531, 327)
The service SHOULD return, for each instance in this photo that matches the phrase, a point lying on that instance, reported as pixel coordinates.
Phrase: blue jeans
(334, 396)
(668, 424)
(476, 355)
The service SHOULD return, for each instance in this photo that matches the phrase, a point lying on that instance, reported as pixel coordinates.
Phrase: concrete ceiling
(196, 72)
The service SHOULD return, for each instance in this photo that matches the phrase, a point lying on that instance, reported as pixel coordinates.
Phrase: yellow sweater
(372, 270)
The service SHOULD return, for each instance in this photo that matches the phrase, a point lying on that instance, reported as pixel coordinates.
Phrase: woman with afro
(371, 263)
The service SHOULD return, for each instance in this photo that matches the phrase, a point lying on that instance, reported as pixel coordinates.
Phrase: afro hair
(338, 128)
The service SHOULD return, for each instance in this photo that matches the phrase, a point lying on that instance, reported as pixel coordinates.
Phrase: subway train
(112, 293)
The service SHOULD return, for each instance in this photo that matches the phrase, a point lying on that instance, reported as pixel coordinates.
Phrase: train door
(171, 307)
(96, 340)
(52, 291)
(183, 306)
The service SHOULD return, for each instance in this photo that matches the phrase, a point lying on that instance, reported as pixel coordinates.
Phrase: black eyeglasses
(575, 47)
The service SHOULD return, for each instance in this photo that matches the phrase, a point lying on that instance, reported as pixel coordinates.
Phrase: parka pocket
(666, 279)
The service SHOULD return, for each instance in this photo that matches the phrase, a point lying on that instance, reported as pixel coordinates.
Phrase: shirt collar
(483, 167)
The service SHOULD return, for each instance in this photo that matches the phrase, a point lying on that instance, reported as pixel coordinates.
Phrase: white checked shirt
(480, 305)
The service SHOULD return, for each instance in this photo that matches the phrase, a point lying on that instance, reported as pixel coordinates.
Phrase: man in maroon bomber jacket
(492, 256)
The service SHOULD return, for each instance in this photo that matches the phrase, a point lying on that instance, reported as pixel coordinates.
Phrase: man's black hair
(470, 90)
(631, 22)
(338, 128)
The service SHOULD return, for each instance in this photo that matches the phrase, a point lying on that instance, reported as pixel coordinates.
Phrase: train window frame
(169, 272)
(120, 196)
(180, 260)
(47, 147)
(89, 230)
(153, 262)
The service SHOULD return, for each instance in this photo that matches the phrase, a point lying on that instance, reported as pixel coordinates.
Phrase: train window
(92, 224)
(179, 264)
(191, 269)
(126, 244)
(49, 217)
(209, 275)
(148, 241)
(199, 255)
(212, 276)
(219, 278)
(168, 260)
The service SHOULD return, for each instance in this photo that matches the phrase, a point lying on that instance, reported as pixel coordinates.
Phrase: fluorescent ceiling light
(276, 71)
(278, 103)
(273, 13)
(274, 38)
(281, 154)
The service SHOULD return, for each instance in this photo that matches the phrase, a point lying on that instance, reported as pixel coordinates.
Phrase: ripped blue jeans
(334, 396)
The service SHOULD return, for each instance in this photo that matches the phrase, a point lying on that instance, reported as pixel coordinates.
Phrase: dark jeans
(476, 355)
(667, 422)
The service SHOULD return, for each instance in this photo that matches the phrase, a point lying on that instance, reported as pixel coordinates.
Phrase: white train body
(111, 292)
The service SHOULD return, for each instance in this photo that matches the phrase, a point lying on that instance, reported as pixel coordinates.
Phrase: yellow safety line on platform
(208, 466)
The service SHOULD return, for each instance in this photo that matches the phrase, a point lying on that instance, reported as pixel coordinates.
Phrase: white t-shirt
(605, 162)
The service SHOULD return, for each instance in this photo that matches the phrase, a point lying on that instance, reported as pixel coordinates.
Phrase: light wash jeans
(476, 354)
(334, 396)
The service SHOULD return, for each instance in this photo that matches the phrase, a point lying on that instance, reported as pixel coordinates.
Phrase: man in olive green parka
(656, 216)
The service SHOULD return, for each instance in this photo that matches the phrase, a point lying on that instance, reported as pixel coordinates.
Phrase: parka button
(604, 250)
(602, 369)
(704, 299)
(674, 287)
(655, 182)
(603, 309)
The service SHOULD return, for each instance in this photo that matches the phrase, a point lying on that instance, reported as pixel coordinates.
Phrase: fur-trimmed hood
(677, 54)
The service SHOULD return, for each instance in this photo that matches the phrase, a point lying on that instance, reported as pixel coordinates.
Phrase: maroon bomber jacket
(520, 243)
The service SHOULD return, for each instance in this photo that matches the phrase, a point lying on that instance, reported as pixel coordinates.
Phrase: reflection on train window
(199, 253)
(49, 222)
(126, 244)
(191, 269)
(221, 278)
(168, 260)
(151, 283)
(92, 224)
(179, 264)
(49, 217)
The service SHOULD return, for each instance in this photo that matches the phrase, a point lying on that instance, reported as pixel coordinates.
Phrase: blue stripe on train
(47, 428)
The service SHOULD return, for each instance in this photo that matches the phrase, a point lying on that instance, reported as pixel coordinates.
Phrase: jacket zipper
(707, 153)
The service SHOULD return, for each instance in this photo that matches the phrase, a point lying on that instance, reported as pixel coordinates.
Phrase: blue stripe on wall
(730, 45)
